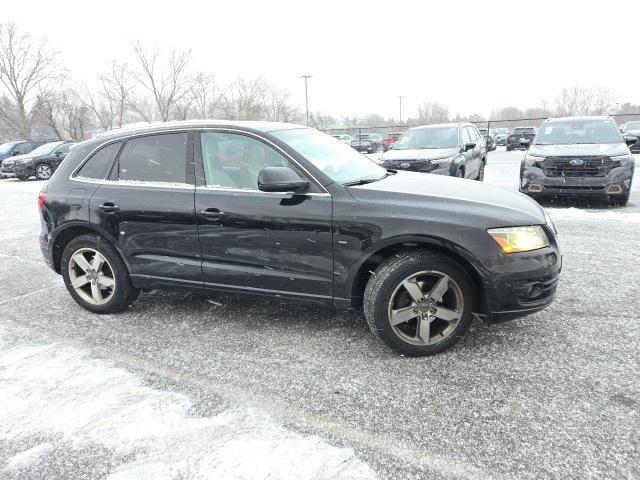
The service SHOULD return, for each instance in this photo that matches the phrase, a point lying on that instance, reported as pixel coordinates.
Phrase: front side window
(154, 158)
(23, 148)
(232, 160)
(587, 131)
(466, 138)
(335, 159)
(64, 148)
(46, 149)
(98, 166)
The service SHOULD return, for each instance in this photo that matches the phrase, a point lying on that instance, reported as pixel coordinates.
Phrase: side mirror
(469, 146)
(14, 153)
(280, 179)
(629, 140)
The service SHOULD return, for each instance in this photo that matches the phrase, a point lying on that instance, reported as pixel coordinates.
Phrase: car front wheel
(419, 303)
(95, 275)
(43, 171)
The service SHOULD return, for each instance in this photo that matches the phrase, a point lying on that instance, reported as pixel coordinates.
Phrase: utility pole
(400, 97)
(306, 95)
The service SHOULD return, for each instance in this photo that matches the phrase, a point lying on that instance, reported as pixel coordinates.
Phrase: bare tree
(166, 79)
(243, 99)
(205, 96)
(25, 66)
(66, 113)
(432, 112)
(278, 107)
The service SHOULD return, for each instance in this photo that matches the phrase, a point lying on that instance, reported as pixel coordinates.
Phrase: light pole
(400, 97)
(306, 95)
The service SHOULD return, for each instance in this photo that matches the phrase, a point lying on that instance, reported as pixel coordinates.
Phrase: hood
(15, 158)
(440, 197)
(419, 154)
(586, 150)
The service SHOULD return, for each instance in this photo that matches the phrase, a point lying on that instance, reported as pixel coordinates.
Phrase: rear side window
(154, 158)
(23, 148)
(99, 164)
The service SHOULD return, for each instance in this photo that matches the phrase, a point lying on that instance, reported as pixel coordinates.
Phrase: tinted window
(23, 148)
(473, 134)
(154, 158)
(582, 131)
(234, 161)
(428, 138)
(99, 164)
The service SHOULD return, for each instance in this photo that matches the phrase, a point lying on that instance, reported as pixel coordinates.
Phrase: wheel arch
(69, 231)
(381, 251)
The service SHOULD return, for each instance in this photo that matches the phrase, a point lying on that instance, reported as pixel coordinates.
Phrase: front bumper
(523, 283)
(533, 181)
(6, 169)
(23, 170)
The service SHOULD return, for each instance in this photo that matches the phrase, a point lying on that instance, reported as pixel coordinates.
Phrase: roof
(163, 126)
(435, 125)
(579, 117)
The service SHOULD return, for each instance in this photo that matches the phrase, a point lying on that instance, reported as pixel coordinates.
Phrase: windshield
(578, 132)
(500, 131)
(6, 147)
(45, 149)
(337, 160)
(633, 126)
(428, 138)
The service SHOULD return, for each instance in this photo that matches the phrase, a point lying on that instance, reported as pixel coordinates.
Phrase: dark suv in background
(299, 215)
(632, 129)
(579, 156)
(520, 138)
(41, 162)
(18, 147)
(454, 149)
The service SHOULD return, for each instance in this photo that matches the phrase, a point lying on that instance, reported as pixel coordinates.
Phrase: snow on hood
(60, 391)
(418, 154)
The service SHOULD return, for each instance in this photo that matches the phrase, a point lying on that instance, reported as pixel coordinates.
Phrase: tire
(508, 148)
(112, 270)
(460, 173)
(480, 176)
(385, 295)
(43, 171)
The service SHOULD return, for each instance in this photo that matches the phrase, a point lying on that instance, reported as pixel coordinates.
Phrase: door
(253, 241)
(147, 207)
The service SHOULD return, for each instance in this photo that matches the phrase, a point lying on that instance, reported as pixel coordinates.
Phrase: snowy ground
(186, 387)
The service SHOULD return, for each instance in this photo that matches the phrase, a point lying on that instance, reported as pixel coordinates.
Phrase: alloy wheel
(43, 172)
(91, 276)
(425, 308)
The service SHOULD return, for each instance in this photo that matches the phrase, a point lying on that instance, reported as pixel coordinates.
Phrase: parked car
(455, 149)
(488, 138)
(632, 129)
(304, 217)
(520, 138)
(344, 138)
(41, 162)
(390, 139)
(500, 136)
(18, 147)
(579, 156)
(367, 142)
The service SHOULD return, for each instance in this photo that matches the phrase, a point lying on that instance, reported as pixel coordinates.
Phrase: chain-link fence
(491, 125)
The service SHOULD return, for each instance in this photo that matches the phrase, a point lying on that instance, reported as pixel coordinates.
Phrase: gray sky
(472, 56)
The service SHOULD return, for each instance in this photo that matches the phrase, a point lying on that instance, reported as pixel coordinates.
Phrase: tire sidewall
(38, 175)
(388, 285)
(122, 290)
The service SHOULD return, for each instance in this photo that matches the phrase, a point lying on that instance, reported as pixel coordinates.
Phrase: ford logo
(576, 162)
(405, 165)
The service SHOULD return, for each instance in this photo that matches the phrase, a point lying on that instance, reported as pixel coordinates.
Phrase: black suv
(520, 138)
(40, 163)
(281, 210)
(454, 149)
(579, 156)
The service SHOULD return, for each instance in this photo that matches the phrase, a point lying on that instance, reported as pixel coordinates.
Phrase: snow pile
(58, 390)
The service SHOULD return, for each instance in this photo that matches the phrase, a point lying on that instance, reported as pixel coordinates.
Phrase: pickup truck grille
(591, 166)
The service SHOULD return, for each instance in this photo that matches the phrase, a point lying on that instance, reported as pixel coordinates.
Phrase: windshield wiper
(364, 181)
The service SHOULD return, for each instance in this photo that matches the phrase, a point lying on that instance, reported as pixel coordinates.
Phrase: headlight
(519, 239)
(531, 160)
(627, 158)
(441, 161)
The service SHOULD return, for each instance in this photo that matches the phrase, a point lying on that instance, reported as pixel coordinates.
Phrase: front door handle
(212, 213)
(109, 207)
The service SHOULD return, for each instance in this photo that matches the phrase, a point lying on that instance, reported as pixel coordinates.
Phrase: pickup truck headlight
(519, 239)
(531, 160)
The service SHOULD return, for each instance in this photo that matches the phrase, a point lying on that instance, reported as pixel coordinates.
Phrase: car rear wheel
(419, 303)
(43, 171)
(95, 275)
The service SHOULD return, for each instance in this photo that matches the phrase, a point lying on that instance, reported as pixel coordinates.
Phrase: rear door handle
(212, 213)
(109, 207)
